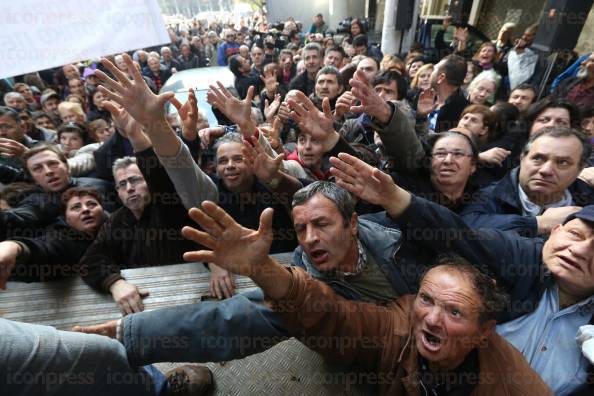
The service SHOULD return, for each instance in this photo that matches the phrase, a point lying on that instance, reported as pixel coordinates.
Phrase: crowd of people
(441, 214)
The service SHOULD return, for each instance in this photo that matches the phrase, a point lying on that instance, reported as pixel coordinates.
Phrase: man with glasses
(229, 48)
(539, 194)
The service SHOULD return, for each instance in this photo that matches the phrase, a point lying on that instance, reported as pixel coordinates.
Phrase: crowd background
(95, 181)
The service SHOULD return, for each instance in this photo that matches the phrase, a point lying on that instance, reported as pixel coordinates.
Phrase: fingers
(218, 214)
(176, 103)
(113, 108)
(228, 286)
(111, 95)
(250, 94)
(136, 76)
(199, 256)
(265, 227)
(326, 107)
(205, 221)
(200, 237)
(106, 329)
(122, 79)
(215, 289)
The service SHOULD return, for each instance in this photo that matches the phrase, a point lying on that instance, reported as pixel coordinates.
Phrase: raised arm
(238, 111)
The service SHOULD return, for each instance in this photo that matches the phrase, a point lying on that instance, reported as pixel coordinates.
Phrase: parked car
(200, 79)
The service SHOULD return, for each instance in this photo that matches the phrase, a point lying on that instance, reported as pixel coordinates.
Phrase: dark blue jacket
(498, 206)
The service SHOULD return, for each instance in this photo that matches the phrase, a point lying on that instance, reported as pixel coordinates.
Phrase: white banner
(41, 34)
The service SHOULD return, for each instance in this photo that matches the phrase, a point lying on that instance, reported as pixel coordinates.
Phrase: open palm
(134, 95)
(232, 247)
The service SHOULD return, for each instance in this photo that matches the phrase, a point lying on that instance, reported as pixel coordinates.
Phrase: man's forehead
(42, 156)
(561, 146)
(130, 169)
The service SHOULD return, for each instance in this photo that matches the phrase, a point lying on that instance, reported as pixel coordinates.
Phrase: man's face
(70, 72)
(76, 87)
(360, 50)
(48, 171)
(26, 122)
(451, 162)
(322, 233)
(333, 58)
(17, 102)
(312, 61)
(521, 98)
(166, 54)
(84, 214)
(387, 91)
(132, 188)
(286, 61)
(310, 151)
(51, 105)
(233, 169)
(569, 255)
(327, 86)
(474, 123)
(230, 37)
(446, 322)
(528, 37)
(368, 67)
(437, 76)
(245, 65)
(551, 165)
(25, 90)
(257, 56)
(550, 117)
(44, 122)
(10, 129)
(154, 64)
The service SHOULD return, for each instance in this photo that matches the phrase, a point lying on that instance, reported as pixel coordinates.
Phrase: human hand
(222, 284)
(270, 82)
(270, 109)
(125, 124)
(318, 124)
(188, 113)
(134, 95)
(343, 104)
(426, 103)
(12, 148)
(238, 111)
(9, 251)
(552, 217)
(371, 103)
(284, 112)
(234, 248)
(107, 329)
(273, 134)
(494, 156)
(264, 167)
(127, 296)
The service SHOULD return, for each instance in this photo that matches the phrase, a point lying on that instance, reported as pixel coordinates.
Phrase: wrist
(385, 114)
(331, 141)
(396, 201)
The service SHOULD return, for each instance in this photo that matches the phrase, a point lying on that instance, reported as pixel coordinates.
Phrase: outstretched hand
(188, 113)
(238, 111)
(107, 329)
(264, 167)
(234, 248)
(371, 103)
(134, 95)
(318, 124)
(426, 103)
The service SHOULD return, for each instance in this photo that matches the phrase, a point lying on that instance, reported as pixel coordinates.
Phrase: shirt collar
(529, 208)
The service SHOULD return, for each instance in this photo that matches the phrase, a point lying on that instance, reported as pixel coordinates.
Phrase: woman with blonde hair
(422, 79)
(71, 112)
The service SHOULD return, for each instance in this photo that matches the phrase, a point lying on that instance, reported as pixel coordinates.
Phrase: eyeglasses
(133, 180)
(441, 155)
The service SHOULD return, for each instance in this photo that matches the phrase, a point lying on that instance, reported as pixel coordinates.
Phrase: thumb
(383, 178)
(266, 104)
(143, 293)
(265, 226)
(165, 97)
(250, 93)
(279, 158)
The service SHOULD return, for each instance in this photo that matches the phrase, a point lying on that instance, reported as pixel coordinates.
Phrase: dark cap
(587, 214)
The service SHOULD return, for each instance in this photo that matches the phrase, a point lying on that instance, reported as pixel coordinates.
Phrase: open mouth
(318, 255)
(88, 219)
(570, 263)
(430, 341)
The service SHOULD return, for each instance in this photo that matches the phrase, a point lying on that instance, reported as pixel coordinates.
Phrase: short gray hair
(232, 137)
(122, 163)
(341, 197)
(562, 132)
